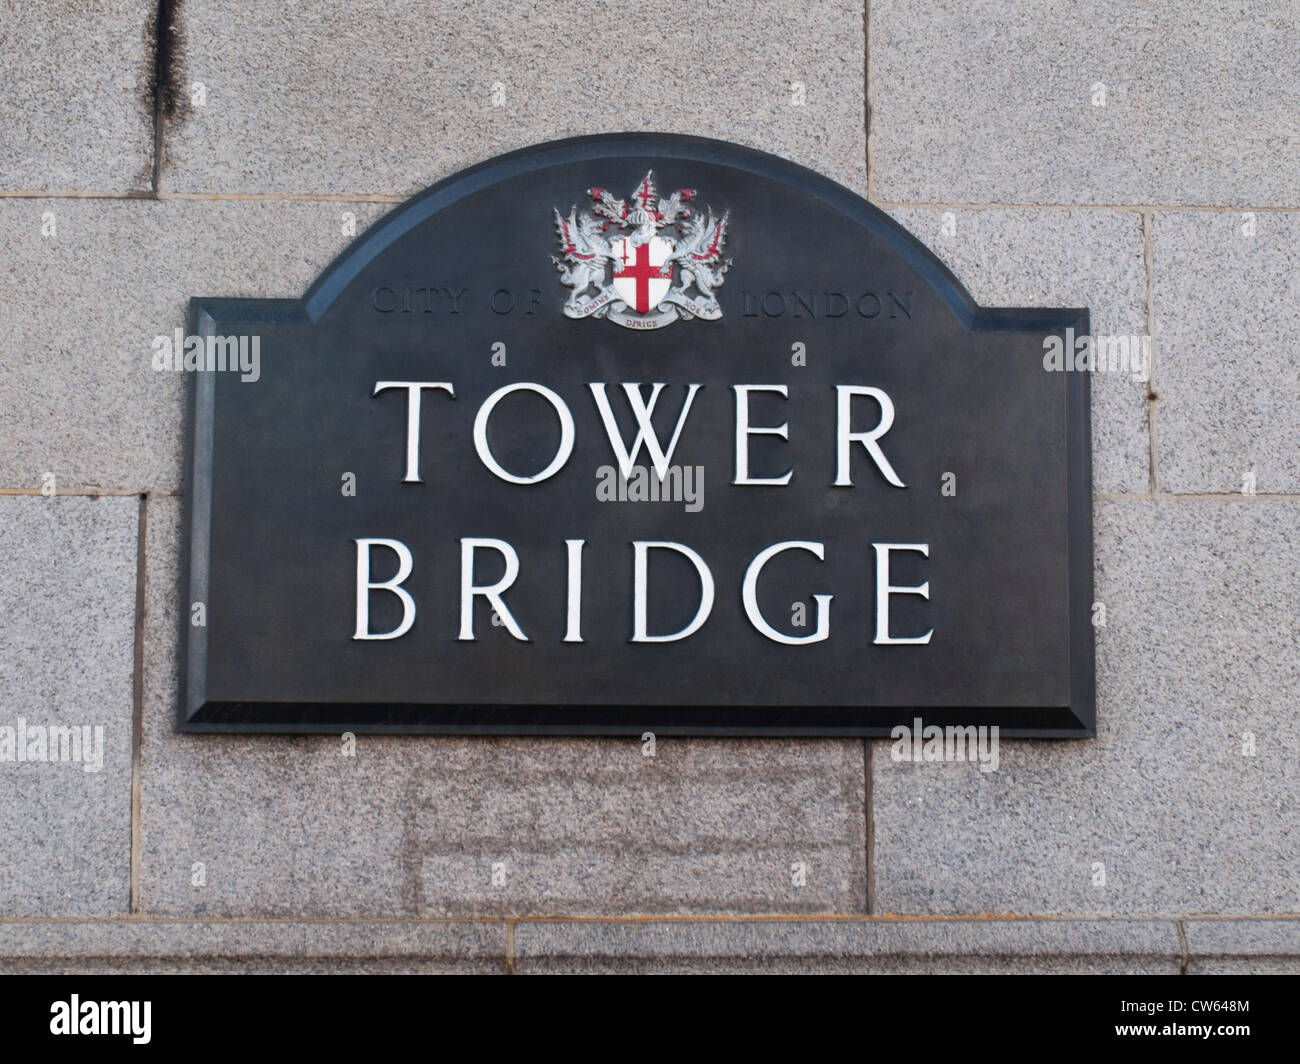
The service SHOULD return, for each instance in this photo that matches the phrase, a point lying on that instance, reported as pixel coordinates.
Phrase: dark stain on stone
(165, 96)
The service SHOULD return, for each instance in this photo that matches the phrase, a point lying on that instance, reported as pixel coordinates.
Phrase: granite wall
(1141, 158)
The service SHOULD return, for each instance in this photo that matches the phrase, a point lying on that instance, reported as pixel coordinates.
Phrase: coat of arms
(661, 262)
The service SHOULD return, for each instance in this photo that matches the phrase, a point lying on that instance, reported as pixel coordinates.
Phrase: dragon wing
(704, 241)
(647, 193)
(707, 247)
(575, 245)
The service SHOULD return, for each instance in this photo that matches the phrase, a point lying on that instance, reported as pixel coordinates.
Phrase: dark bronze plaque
(420, 499)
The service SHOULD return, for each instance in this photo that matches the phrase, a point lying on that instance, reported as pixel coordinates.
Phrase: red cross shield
(640, 277)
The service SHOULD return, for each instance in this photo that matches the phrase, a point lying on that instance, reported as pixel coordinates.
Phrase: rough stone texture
(344, 97)
(1080, 258)
(414, 825)
(981, 946)
(239, 946)
(1227, 315)
(67, 599)
(992, 102)
(254, 966)
(141, 945)
(1200, 647)
(1241, 947)
(76, 106)
(79, 311)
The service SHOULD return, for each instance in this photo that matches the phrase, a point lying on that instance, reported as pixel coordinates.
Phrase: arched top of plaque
(552, 183)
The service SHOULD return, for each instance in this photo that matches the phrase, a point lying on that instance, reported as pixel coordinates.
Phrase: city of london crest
(645, 264)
